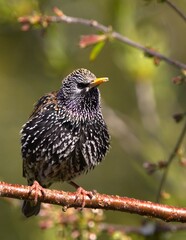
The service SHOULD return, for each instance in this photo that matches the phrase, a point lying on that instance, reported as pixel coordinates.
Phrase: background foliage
(141, 94)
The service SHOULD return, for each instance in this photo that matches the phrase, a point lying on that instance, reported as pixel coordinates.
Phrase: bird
(65, 135)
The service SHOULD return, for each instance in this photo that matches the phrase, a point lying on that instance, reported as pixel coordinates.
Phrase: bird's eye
(82, 85)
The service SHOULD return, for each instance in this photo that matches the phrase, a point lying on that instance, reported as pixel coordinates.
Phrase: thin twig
(147, 229)
(169, 161)
(107, 30)
(99, 201)
(176, 9)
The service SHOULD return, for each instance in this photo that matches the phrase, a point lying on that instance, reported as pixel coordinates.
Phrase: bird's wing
(47, 134)
(43, 102)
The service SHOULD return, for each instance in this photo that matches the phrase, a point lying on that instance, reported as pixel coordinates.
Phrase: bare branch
(176, 9)
(170, 159)
(100, 201)
(25, 20)
(147, 229)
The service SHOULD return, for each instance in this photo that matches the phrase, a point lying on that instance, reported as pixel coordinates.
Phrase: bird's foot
(37, 188)
(80, 192)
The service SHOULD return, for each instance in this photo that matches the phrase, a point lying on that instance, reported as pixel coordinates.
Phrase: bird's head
(80, 87)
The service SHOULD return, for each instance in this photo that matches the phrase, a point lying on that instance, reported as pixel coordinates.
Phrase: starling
(65, 135)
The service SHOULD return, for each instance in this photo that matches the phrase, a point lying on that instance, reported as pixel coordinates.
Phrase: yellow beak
(98, 81)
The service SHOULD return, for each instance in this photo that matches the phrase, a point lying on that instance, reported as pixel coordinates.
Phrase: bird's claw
(80, 192)
(37, 188)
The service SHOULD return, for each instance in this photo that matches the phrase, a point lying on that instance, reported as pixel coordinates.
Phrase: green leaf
(96, 50)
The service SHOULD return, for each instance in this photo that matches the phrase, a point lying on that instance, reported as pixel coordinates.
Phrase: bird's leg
(37, 188)
(81, 192)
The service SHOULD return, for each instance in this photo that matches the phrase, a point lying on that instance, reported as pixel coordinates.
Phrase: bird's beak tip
(98, 81)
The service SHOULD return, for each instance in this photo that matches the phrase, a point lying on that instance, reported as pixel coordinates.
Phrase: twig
(169, 161)
(100, 201)
(147, 229)
(107, 30)
(176, 9)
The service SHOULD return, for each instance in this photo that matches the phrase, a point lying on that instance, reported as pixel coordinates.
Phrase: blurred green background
(139, 100)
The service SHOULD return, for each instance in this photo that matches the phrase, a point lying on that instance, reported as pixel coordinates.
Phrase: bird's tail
(29, 208)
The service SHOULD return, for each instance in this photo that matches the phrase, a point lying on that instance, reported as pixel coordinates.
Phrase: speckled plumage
(66, 134)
